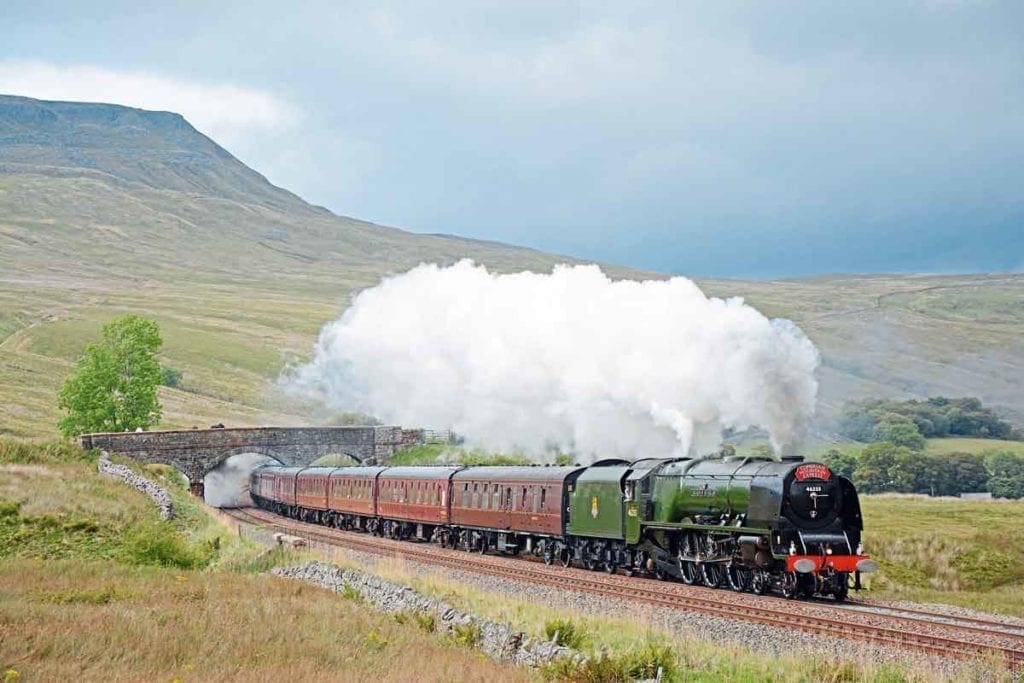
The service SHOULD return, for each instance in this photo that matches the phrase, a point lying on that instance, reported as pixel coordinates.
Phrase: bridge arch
(195, 452)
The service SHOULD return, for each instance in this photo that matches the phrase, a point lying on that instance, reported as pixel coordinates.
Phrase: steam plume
(227, 485)
(569, 361)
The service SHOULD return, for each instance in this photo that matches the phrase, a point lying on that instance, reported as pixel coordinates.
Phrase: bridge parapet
(197, 451)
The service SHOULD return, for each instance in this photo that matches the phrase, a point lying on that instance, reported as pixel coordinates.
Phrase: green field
(959, 552)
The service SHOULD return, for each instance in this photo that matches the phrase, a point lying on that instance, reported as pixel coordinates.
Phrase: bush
(347, 592)
(566, 633)
(644, 662)
(467, 634)
(170, 377)
(155, 543)
(640, 663)
(374, 641)
(426, 621)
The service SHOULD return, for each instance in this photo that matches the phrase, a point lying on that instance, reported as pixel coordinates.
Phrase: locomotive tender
(750, 523)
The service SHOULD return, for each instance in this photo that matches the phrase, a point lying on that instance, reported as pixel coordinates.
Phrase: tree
(872, 473)
(840, 463)
(936, 417)
(899, 430)
(1006, 474)
(114, 387)
(910, 471)
(969, 473)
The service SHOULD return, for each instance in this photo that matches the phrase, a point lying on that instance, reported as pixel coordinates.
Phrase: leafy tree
(969, 474)
(899, 430)
(1006, 474)
(936, 417)
(910, 471)
(857, 423)
(114, 387)
(839, 462)
(873, 473)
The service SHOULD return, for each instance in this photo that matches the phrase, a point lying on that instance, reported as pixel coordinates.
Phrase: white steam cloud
(568, 361)
(227, 485)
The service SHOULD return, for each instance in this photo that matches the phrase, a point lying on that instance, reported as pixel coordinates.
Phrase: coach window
(536, 499)
(476, 496)
(465, 495)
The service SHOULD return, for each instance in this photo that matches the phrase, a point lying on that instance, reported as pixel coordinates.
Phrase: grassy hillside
(106, 210)
(968, 553)
(82, 555)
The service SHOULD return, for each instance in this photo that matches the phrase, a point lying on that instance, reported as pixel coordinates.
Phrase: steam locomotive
(748, 523)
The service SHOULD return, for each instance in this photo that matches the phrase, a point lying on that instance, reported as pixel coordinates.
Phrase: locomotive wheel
(790, 587)
(589, 563)
(740, 579)
(712, 573)
(842, 590)
(549, 558)
(759, 582)
(566, 557)
(688, 572)
(609, 567)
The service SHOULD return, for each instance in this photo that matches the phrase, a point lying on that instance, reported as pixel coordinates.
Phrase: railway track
(934, 633)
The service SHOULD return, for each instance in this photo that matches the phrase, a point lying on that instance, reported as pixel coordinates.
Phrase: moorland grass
(83, 620)
(960, 552)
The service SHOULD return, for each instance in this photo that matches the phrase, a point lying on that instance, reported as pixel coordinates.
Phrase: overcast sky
(739, 139)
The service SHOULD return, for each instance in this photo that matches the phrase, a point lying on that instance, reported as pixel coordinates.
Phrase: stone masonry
(195, 452)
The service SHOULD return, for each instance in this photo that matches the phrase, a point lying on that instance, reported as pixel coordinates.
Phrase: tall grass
(961, 552)
(16, 451)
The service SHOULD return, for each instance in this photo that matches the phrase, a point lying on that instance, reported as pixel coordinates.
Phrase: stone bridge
(195, 452)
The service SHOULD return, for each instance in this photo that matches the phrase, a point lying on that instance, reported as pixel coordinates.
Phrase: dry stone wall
(158, 494)
(496, 640)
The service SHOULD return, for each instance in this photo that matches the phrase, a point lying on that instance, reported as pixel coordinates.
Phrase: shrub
(349, 593)
(566, 633)
(170, 377)
(155, 543)
(426, 621)
(467, 634)
(644, 662)
(374, 641)
(640, 663)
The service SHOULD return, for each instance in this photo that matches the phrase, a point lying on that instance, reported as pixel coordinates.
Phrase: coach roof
(515, 473)
(419, 472)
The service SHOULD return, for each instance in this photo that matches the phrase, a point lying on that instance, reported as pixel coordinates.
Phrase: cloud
(226, 112)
